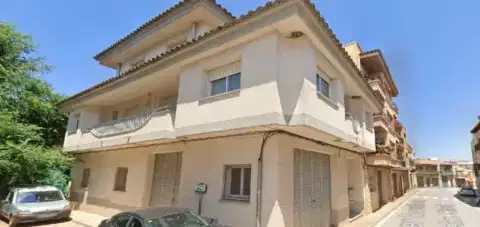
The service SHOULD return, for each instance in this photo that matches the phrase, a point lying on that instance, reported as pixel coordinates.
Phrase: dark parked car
(467, 191)
(162, 216)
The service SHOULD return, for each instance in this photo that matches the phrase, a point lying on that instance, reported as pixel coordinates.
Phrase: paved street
(3, 223)
(434, 207)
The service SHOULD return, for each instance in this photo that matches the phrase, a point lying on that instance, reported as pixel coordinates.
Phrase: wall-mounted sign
(201, 188)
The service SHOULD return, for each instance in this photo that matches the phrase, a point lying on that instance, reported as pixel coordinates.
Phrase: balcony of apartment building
(426, 169)
(446, 170)
(143, 111)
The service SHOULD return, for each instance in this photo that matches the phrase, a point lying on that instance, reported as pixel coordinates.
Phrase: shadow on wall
(96, 205)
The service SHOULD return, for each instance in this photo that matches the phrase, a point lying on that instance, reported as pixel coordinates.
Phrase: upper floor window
(224, 79)
(73, 123)
(77, 121)
(323, 85)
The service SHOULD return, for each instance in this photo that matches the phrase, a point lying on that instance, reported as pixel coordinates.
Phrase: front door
(380, 189)
(395, 184)
(311, 189)
(166, 179)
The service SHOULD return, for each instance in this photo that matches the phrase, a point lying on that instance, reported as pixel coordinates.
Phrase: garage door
(166, 179)
(311, 189)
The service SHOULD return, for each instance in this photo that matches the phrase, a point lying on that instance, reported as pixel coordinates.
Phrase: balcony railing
(127, 124)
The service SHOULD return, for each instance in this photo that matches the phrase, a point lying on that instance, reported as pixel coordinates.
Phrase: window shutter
(224, 71)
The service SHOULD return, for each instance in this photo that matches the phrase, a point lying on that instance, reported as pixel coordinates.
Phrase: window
(115, 115)
(121, 220)
(121, 179)
(135, 222)
(39, 196)
(10, 197)
(226, 84)
(237, 182)
(85, 177)
(323, 86)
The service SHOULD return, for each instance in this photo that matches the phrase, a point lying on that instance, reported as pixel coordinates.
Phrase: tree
(31, 126)
(23, 95)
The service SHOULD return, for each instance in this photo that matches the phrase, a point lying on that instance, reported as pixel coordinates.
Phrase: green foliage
(24, 96)
(31, 126)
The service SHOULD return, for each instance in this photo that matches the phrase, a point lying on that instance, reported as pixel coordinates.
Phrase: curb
(82, 224)
(395, 208)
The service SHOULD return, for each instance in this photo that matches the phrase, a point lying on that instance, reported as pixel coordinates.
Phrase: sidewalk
(86, 219)
(373, 218)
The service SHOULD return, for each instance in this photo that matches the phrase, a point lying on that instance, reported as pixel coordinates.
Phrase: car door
(6, 204)
(120, 220)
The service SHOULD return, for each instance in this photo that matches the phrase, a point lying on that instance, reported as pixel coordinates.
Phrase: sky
(431, 48)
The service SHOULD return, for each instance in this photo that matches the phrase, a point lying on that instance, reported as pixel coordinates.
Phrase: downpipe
(266, 136)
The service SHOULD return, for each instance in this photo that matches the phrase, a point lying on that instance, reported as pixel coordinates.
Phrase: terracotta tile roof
(224, 27)
(160, 16)
(476, 128)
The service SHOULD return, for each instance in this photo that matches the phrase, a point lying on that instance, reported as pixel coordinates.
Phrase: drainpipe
(266, 136)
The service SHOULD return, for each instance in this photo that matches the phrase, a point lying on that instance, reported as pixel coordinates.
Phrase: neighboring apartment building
(267, 110)
(475, 146)
(390, 168)
(436, 173)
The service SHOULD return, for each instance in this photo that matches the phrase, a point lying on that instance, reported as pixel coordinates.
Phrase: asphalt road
(3, 223)
(435, 207)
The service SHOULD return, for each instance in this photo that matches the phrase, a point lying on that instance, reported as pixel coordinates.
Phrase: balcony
(145, 126)
(127, 124)
(446, 172)
(380, 120)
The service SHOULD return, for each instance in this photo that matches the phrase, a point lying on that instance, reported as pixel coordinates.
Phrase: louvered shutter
(166, 179)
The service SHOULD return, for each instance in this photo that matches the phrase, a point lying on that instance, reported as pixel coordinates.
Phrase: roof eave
(104, 53)
(476, 128)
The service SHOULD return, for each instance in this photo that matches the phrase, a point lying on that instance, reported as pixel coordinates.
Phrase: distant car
(467, 191)
(162, 216)
(34, 203)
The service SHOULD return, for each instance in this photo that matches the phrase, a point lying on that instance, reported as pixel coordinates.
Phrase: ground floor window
(85, 177)
(237, 182)
(121, 179)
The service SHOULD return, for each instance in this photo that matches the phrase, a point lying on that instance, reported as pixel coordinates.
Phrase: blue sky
(431, 49)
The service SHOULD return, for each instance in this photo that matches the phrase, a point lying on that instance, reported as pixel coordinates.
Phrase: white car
(34, 203)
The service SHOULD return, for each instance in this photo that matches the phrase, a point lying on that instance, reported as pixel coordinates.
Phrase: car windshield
(39, 196)
(185, 219)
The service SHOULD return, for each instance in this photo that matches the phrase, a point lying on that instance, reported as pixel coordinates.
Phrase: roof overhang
(159, 23)
(373, 61)
(476, 128)
(208, 43)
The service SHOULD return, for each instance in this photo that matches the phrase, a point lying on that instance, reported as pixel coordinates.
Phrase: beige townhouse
(267, 110)
(390, 168)
(433, 172)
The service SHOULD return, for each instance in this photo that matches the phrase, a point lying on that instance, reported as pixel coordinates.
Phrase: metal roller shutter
(311, 189)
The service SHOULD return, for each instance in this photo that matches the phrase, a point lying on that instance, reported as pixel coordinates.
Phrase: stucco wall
(203, 162)
(258, 95)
